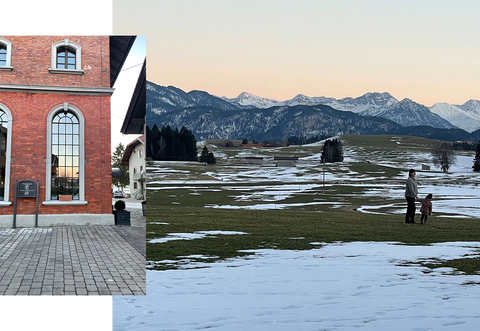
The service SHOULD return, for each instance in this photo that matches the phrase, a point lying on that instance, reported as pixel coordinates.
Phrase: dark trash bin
(122, 217)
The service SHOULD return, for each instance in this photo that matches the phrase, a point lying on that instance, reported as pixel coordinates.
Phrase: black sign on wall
(27, 189)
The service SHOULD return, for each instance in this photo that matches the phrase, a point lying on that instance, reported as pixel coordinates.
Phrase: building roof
(119, 48)
(135, 118)
(290, 158)
(129, 149)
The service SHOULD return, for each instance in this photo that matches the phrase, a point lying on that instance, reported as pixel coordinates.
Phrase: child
(426, 208)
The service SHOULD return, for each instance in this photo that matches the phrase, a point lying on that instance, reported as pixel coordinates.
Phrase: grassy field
(178, 201)
(286, 229)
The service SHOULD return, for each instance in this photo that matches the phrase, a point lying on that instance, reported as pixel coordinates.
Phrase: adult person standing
(411, 194)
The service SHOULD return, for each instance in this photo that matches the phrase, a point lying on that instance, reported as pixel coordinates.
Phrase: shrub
(119, 205)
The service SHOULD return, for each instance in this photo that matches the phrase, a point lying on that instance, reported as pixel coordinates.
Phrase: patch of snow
(340, 286)
(191, 236)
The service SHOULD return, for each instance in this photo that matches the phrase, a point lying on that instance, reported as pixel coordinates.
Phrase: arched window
(5, 54)
(5, 153)
(66, 58)
(65, 155)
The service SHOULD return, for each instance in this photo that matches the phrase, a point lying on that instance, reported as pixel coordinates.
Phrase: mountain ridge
(172, 106)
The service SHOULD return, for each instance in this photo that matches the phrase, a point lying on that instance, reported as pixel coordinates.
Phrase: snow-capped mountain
(161, 99)
(301, 99)
(471, 106)
(410, 113)
(405, 112)
(367, 104)
(370, 104)
(249, 100)
(465, 120)
(274, 123)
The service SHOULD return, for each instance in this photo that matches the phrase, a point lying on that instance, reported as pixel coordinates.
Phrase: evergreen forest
(167, 144)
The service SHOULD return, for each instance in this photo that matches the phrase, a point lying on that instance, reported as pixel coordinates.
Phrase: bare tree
(443, 156)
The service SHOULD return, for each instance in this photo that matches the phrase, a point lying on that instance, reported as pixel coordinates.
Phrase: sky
(124, 87)
(422, 50)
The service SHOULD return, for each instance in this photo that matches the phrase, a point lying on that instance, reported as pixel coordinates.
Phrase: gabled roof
(135, 118)
(129, 149)
(119, 48)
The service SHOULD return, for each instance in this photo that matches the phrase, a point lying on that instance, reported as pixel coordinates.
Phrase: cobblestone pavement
(70, 260)
(135, 233)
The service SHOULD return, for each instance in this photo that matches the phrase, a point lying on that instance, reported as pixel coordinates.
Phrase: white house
(134, 158)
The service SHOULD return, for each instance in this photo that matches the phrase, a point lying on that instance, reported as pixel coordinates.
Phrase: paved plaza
(69, 260)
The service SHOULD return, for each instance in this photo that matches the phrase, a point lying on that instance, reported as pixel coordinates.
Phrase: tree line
(464, 146)
(169, 144)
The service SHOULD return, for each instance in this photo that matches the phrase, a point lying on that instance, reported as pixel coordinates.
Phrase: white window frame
(78, 58)
(8, 158)
(8, 44)
(48, 160)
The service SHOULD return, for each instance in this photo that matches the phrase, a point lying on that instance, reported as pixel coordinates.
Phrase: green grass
(463, 265)
(351, 197)
(276, 228)
(186, 213)
(387, 142)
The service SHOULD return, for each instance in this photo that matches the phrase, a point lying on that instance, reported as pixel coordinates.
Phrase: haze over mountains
(211, 117)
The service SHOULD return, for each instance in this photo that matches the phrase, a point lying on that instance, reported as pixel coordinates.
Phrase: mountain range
(212, 117)
(405, 112)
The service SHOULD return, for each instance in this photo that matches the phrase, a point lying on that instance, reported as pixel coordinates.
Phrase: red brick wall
(31, 61)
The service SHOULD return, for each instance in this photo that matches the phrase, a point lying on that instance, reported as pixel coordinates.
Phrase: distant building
(257, 160)
(425, 167)
(134, 158)
(286, 161)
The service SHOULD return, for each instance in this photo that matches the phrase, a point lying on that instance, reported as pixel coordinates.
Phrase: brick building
(55, 126)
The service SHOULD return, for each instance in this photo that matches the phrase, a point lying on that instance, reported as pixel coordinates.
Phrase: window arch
(65, 155)
(5, 153)
(66, 58)
(5, 54)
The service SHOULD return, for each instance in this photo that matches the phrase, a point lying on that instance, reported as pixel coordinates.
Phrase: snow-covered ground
(455, 194)
(342, 286)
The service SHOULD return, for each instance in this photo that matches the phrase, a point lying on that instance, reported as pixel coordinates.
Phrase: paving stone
(93, 260)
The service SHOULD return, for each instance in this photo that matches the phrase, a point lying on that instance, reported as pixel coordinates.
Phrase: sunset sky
(427, 51)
